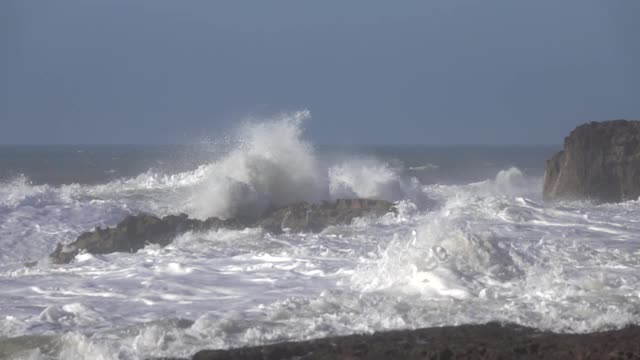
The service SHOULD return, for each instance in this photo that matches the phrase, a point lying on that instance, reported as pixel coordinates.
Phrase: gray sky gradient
(385, 72)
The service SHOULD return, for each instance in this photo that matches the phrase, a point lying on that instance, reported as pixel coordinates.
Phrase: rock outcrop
(600, 162)
(305, 217)
(136, 231)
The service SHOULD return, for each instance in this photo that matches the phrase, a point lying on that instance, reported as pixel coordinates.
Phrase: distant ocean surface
(471, 242)
(95, 164)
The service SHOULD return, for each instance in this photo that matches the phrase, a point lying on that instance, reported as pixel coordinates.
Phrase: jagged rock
(305, 217)
(136, 231)
(600, 162)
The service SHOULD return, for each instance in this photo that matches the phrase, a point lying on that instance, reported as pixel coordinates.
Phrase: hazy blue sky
(426, 72)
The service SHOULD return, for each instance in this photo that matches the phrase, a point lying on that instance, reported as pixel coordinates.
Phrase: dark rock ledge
(136, 231)
(489, 342)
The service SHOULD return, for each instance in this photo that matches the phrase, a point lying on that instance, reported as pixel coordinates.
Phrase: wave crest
(271, 166)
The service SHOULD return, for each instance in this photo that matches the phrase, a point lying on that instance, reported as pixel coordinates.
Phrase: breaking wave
(270, 164)
(273, 165)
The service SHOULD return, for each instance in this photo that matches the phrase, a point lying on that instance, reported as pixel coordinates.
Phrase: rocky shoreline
(490, 341)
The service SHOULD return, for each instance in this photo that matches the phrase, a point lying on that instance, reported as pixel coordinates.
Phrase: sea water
(470, 242)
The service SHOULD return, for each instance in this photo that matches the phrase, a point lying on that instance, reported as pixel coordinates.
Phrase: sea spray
(272, 166)
(371, 178)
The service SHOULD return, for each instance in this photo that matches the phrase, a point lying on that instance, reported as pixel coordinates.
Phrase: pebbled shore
(489, 341)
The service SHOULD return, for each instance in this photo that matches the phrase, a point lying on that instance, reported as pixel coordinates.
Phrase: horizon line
(318, 144)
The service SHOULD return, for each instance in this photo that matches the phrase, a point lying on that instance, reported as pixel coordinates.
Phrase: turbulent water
(471, 242)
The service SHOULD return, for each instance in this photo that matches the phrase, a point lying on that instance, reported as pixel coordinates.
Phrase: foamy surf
(452, 254)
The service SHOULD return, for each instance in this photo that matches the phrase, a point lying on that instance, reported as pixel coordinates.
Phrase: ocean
(471, 242)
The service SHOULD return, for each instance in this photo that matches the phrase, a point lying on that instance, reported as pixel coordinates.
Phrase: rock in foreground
(136, 231)
(490, 341)
(600, 162)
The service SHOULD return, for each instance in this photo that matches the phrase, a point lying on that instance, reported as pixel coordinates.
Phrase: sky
(371, 72)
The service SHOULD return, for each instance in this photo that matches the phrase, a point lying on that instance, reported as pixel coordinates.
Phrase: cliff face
(600, 162)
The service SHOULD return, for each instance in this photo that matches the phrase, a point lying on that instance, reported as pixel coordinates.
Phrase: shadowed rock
(490, 341)
(136, 231)
(600, 162)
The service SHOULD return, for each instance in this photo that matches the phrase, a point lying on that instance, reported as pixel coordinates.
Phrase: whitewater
(454, 252)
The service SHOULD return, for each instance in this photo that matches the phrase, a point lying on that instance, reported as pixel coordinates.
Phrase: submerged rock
(136, 231)
(600, 162)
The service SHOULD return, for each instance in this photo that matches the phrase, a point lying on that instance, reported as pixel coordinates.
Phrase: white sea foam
(371, 178)
(424, 167)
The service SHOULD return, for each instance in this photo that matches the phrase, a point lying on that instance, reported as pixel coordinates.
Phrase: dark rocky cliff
(600, 162)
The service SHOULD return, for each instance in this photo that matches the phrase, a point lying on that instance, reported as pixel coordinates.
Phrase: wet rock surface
(600, 162)
(305, 217)
(489, 341)
(136, 231)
